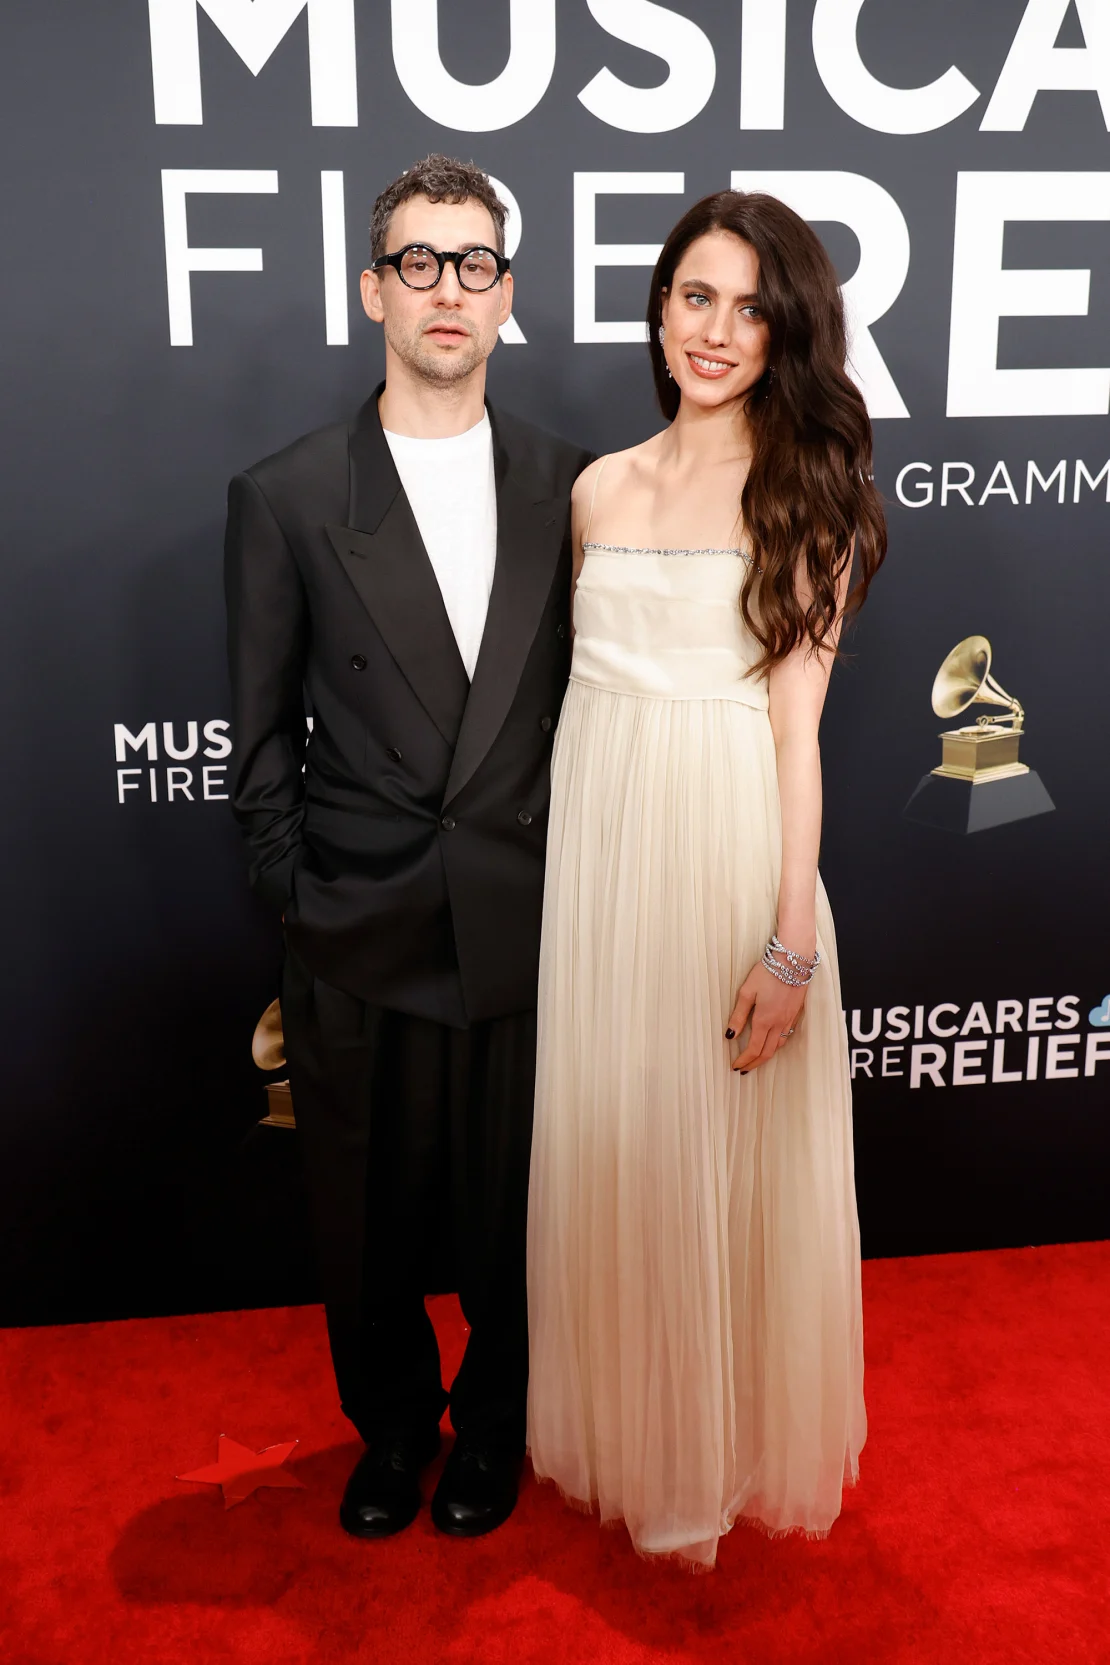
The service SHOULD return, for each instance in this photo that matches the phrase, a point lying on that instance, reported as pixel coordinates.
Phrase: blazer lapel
(383, 555)
(530, 532)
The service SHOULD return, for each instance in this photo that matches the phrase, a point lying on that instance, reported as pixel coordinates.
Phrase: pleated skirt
(696, 1344)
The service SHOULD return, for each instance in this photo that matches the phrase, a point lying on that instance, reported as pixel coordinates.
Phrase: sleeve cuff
(274, 884)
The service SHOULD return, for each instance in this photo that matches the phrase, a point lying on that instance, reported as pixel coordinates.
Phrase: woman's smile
(710, 367)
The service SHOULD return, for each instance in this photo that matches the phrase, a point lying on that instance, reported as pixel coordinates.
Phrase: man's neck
(422, 410)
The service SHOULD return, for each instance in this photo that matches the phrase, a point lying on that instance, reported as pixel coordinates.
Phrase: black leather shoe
(383, 1493)
(477, 1490)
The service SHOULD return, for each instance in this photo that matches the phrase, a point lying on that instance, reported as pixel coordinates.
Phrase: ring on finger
(785, 1033)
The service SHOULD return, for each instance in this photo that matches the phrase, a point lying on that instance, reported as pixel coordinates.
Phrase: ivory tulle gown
(693, 1248)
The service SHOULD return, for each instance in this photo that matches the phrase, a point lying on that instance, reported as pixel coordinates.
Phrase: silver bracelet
(798, 971)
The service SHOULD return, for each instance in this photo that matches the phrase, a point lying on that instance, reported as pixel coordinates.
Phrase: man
(410, 575)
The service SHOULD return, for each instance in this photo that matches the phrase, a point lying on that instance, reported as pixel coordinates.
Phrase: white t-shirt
(450, 487)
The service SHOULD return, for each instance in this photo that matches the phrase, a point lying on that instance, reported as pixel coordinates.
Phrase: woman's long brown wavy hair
(809, 490)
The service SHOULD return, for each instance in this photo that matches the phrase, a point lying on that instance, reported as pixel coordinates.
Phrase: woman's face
(716, 340)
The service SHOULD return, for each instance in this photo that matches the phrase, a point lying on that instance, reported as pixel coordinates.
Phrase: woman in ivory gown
(693, 1249)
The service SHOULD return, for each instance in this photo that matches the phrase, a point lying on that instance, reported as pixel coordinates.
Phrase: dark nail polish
(730, 1034)
(743, 1072)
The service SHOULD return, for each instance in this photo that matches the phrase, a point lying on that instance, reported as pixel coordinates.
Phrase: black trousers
(416, 1140)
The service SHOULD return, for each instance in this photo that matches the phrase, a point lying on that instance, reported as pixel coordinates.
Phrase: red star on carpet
(240, 1471)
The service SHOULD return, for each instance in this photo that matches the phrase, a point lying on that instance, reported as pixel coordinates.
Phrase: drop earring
(662, 333)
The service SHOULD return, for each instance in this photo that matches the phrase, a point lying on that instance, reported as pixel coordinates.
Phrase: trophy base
(1002, 771)
(959, 805)
(279, 1105)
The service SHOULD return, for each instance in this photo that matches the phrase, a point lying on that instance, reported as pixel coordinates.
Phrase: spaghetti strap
(593, 498)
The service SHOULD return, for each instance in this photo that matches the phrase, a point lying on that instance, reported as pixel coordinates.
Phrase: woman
(693, 1280)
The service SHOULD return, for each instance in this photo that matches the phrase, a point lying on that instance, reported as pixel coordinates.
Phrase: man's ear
(506, 308)
(371, 286)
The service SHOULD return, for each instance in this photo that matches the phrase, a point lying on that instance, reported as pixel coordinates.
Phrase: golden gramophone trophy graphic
(268, 1052)
(980, 781)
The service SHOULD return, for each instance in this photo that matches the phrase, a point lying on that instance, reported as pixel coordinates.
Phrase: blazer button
(447, 823)
(560, 631)
(545, 724)
(524, 818)
(358, 662)
(393, 754)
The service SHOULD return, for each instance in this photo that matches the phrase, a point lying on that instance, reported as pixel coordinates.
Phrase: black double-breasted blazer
(403, 838)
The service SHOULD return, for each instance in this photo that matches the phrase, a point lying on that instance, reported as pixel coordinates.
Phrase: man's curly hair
(440, 179)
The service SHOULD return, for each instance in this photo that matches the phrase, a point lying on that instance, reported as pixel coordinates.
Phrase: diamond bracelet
(798, 971)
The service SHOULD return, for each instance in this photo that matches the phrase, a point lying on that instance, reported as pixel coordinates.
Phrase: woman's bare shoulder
(618, 466)
(583, 487)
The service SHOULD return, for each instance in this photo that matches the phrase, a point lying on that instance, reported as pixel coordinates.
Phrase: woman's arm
(581, 512)
(796, 691)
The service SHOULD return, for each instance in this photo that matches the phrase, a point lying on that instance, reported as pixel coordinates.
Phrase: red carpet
(978, 1531)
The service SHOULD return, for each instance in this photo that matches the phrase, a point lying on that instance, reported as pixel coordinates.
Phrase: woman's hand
(774, 1009)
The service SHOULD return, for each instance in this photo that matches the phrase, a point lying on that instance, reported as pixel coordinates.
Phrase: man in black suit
(410, 574)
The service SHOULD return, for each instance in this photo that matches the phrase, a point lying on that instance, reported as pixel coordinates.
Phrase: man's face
(441, 334)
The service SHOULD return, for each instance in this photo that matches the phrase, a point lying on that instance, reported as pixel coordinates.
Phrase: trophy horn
(965, 679)
(268, 1040)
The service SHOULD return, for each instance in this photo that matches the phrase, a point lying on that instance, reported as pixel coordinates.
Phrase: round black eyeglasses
(421, 267)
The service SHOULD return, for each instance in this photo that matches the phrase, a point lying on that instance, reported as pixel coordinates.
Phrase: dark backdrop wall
(186, 193)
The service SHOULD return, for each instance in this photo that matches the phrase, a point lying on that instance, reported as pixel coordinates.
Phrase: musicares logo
(181, 781)
(953, 1046)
